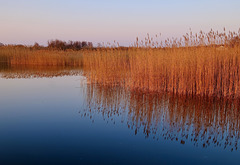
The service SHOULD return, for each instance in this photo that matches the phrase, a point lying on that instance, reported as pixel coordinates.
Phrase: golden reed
(20, 55)
(204, 64)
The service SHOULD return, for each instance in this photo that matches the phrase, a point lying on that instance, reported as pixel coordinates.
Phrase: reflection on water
(203, 122)
(23, 71)
(40, 123)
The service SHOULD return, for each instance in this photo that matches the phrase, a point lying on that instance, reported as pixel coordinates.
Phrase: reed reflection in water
(201, 121)
(31, 71)
(204, 122)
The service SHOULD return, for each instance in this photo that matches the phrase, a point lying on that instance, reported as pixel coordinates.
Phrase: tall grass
(14, 55)
(204, 71)
(207, 65)
(204, 64)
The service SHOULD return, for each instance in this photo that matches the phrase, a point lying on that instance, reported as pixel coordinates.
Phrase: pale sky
(29, 21)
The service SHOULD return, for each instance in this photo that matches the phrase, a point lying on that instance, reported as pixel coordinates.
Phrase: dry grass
(190, 66)
(14, 55)
(204, 71)
(204, 64)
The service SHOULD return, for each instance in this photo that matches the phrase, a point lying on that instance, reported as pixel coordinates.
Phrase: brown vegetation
(204, 64)
(195, 65)
(14, 55)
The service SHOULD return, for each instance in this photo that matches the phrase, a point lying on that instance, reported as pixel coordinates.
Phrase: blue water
(42, 122)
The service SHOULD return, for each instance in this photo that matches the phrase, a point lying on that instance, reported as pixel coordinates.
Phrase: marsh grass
(14, 55)
(204, 71)
(203, 64)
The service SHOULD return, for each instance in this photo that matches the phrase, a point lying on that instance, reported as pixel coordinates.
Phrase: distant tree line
(78, 45)
(57, 44)
(74, 45)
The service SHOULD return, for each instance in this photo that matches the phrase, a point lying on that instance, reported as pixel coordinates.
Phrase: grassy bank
(202, 64)
(14, 55)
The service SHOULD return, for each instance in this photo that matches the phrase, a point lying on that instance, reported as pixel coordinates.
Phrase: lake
(53, 116)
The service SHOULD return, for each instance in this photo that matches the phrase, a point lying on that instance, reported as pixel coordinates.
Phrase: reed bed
(204, 71)
(203, 64)
(207, 65)
(13, 55)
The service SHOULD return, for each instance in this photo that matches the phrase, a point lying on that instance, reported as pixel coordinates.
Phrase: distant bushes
(74, 45)
(55, 45)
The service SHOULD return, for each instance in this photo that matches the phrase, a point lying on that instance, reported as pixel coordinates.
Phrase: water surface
(53, 116)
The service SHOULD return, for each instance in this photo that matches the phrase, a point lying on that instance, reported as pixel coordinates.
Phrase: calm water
(51, 116)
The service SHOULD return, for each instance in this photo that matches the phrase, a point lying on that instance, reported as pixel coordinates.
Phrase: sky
(29, 21)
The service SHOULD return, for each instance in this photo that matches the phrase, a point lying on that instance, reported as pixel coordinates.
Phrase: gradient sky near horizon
(28, 21)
